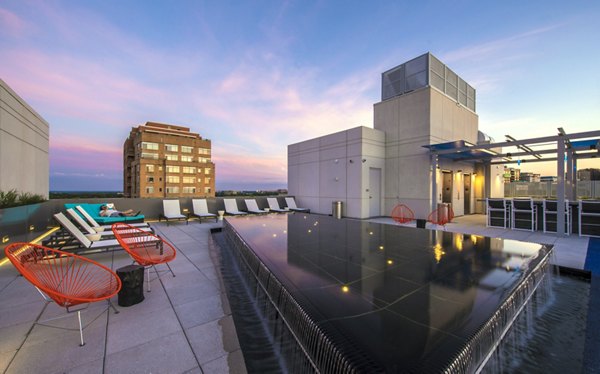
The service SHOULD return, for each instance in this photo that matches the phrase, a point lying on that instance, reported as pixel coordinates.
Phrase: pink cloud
(11, 23)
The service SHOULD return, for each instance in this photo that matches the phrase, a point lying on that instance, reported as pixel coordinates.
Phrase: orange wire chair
(144, 247)
(65, 278)
(402, 214)
(441, 216)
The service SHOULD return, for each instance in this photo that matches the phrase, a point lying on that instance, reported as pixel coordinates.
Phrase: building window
(186, 149)
(150, 146)
(206, 189)
(189, 170)
(149, 190)
(189, 189)
(172, 157)
(149, 179)
(203, 151)
(187, 159)
(172, 179)
(207, 171)
(203, 160)
(172, 169)
(151, 156)
(189, 179)
(171, 147)
(172, 189)
(207, 180)
(149, 168)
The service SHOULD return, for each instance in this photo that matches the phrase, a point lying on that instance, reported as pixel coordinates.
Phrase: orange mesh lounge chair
(144, 248)
(441, 216)
(65, 278)
(402, 214)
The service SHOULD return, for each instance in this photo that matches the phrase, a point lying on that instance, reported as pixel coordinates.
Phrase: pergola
(563, 148)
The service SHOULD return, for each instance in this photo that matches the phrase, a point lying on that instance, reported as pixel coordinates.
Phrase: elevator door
(447, 187)
(467, 193)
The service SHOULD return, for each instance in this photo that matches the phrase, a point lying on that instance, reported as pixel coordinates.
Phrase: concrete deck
(569, 251)
(183, 326)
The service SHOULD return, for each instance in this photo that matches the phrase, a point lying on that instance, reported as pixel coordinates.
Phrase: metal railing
(544, 190)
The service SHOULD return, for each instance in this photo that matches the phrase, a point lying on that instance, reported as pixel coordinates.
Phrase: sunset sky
(255, 76)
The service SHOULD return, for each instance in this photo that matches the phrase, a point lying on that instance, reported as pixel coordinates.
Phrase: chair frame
(20, 254)
(435, 218)
(200, 210)
(179, 216)
(291, 203)
(505, 212)
(93, 222)
(586, 213)
(229, 210)
(145, 248)
(548, 211)
(515, 209)
(252, 207)
(274, 205)
(402, 214)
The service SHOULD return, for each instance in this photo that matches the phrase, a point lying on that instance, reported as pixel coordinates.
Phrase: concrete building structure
(423, 103)
(162, 160)
(512, 174)
(24, 136)
(590, 174)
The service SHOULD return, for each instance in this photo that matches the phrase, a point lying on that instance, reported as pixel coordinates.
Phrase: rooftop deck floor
(183, 326)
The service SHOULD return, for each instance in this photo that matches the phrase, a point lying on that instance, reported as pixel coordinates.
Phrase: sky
(255, 76)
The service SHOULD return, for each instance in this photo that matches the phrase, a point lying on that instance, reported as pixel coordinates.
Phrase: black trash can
(421, 223)
(132, 291)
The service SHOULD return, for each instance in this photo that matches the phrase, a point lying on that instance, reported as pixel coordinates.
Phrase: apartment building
(167, 161)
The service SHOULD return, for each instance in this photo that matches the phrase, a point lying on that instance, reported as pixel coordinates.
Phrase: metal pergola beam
(545, 139)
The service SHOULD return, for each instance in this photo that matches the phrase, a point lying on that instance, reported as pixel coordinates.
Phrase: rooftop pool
(356, 296)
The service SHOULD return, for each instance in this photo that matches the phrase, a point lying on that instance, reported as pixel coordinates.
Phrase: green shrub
(13, 198)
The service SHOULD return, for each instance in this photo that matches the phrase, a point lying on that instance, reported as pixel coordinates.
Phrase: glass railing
(585, 189)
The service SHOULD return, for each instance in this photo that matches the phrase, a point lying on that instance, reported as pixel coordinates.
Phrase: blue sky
(256, 76)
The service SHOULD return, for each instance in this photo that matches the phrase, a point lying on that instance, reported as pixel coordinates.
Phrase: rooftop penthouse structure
(371, 170)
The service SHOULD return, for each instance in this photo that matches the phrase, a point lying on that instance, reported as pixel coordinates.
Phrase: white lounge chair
(90, 230)
(252, 207)
(291, 203)
(85, 241)
(172, 210)
(274, 205)
(232, 208)
(201, 210)
(93, 222)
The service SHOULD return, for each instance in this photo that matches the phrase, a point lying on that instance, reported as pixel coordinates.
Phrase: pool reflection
(397, 293)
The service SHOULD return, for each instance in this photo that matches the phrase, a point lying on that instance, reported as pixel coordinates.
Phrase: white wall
(24, 143)
(410, 121)
(320, 170)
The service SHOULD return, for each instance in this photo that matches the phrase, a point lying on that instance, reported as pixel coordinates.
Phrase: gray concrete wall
(331, 168)
(24, 144)
(424, 116)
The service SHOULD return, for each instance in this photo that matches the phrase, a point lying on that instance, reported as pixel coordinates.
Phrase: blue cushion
(94, 211)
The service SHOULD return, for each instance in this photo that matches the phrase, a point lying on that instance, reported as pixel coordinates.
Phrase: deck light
(381, 248)
(5, 239)
(390, 262)
(345, 289)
